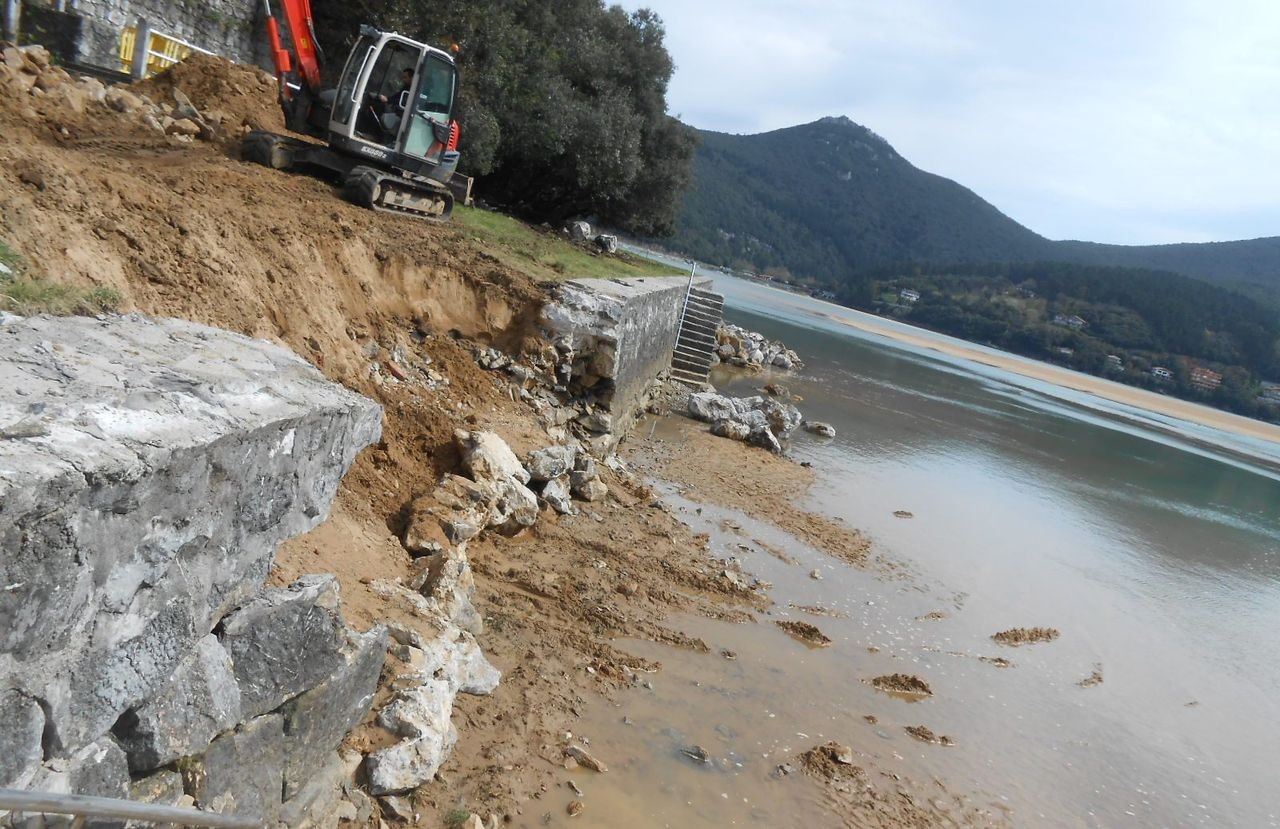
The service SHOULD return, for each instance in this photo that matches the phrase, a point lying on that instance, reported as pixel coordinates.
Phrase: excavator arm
(299, 66)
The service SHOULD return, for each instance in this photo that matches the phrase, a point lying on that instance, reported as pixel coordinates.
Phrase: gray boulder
(314, 803)
(783, 417)
(588, 487)
(200, 701)
(515, 509)
(242, 772)
(710, 407)
(817, 427)
(558, 496)
(731, 429)
(765, 439)
(21, 729)
(487, 457)
(420, 715)
(285, 642)
(164, 787)
(315, 722)
(550, 463)
(99, 769)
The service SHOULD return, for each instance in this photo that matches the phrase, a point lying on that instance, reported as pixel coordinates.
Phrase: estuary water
(1151, 544)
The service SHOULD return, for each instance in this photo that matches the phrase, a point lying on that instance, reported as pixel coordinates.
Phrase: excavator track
(381, 190)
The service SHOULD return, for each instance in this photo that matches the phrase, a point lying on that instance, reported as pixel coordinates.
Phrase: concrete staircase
(703, 313)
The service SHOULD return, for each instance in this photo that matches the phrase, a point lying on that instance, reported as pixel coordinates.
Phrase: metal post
(141, 50)
(36, 803)
(12, 20)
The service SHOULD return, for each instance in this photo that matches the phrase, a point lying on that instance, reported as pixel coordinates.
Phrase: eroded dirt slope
(96, 193)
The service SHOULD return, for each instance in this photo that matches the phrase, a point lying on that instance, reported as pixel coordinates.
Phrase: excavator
(388, 129)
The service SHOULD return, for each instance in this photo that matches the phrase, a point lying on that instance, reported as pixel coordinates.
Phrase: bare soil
(903, 684)
(1025, 636)
(805, 632)
(756, 482)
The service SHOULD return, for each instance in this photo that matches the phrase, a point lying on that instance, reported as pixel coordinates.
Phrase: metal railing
(78, 805)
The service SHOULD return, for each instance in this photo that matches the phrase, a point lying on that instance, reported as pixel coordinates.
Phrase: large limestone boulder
(551, 463)
(710, 407)
(150, 470)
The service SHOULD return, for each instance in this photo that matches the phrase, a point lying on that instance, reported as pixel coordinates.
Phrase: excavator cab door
(429, 121)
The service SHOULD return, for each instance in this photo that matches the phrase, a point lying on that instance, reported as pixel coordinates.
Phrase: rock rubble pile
(28, 74)
(759, 421)
(739, 347)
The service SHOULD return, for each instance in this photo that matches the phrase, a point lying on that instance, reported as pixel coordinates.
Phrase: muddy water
(1154, 548)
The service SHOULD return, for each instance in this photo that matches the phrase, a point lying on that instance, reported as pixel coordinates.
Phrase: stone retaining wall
(234, 29)
(148, 471)
(621, 333)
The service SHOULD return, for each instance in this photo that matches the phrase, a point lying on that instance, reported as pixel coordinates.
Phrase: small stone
(575, 808)
(817, 427)
(398, 808)
(585, 759)
(815, 575)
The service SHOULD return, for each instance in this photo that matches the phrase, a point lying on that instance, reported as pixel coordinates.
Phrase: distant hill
(828, 200)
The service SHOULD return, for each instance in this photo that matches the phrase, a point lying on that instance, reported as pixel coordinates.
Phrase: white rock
(557, 494)
(488, 457)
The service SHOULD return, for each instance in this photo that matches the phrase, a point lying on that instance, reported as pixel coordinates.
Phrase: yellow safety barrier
(163, 51)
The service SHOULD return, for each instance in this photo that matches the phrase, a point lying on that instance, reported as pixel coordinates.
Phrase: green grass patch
(456, 818)
(25, 293)
(544, 255)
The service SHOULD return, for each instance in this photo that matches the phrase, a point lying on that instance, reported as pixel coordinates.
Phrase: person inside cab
(389, 110)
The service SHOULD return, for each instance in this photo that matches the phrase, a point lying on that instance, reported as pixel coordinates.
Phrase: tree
(562, 105)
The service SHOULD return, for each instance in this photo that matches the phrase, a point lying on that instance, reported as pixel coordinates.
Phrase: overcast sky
(1129, 121)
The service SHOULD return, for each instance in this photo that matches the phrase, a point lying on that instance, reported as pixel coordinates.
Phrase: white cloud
(1136, 122)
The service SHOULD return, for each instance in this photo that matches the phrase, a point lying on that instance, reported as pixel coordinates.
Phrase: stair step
(692, 358)
(702, 335)
(704, 294)
(696, 368)
(701, 323)
(699, 334)
(699, 373)
(693, 315)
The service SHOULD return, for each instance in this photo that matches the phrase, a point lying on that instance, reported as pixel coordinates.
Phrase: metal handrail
(110, 807)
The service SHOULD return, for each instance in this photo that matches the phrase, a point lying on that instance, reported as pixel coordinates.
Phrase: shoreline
(1109, 390)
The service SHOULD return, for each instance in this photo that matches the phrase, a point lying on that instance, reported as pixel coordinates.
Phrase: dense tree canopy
(563, 105)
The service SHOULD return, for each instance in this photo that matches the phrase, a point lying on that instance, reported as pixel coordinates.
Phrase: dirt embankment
(393, 308)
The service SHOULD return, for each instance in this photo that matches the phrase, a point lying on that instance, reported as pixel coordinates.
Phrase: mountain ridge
(847, 201)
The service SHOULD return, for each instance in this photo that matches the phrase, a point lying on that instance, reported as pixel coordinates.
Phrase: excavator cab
(395, 103)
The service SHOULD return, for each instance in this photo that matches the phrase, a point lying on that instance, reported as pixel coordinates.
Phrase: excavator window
(347, 101)
(433, 105)
(387, 93)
